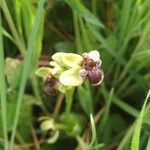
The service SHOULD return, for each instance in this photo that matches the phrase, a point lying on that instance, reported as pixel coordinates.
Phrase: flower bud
(50, 85)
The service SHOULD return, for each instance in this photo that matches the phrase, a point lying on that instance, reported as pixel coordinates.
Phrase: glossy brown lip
(91, 70)
(97, 80)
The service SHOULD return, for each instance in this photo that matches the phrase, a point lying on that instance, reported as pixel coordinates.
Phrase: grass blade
(85, 36)
(81, 10)
(124, 18)
(12, 27)
(121, 104)
(77, 33)
(93, 140)
(138, 125)
(126, 138)
(26, 67)
(3, 89)
(148, 144)
(108, 102)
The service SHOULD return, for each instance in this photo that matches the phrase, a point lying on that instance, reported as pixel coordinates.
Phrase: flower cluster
(68, 69)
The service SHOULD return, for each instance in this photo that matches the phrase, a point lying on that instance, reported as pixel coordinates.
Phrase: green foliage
(85, 98)
(119, 30)
(136, 134)
(79, 8)
(72, 124)
(24, 125)
(3, 90)
(148, 144)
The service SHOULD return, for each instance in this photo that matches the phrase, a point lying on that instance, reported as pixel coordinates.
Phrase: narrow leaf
(27, 65)
(138, 125)
(3, 89)
(81, 10)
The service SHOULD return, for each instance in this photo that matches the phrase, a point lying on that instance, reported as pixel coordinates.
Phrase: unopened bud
(50, 85)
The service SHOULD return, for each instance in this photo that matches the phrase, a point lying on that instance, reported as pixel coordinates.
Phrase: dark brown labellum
(91, 70)
(95, 76)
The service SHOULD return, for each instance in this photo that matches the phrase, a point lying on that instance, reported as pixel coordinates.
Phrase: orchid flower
(71, 69)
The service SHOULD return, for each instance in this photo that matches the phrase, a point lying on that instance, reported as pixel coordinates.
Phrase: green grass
(119, 30)
(3, 89)
(138, 125)
(26, 68)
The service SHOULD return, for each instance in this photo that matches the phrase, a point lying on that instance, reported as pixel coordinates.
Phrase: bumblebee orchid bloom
(72, 69)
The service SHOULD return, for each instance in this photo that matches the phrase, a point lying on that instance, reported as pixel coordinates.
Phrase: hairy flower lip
(70, 69)
(91, 68)
(89, 62)
(95, 76)
(100, 81)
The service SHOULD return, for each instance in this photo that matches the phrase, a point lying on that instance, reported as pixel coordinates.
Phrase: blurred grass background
(33, 30)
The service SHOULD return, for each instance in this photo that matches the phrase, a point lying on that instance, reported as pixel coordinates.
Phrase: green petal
(71, 77)
(57, 57)
(47, 125)
(43, 71)
(54, 137)
(53, 63)
(71, 60)
(67, 60)
(57, 69)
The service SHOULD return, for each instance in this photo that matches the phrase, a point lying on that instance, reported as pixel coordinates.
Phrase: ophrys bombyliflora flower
(71, 69)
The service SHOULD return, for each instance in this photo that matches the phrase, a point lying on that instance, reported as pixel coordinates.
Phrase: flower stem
(69, 98)
(3, 90)
(58, 105)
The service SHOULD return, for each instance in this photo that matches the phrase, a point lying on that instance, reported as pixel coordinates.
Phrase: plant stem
(3, 90)
(94, 7)
(21, 140)
(58, 105)
(85, 36)
(77, 33)
(26, 68)
(36, 93)
(69, 99)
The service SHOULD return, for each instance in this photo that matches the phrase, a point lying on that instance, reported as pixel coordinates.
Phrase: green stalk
(124, 106)
(108, 102)
(37, 93)
(148, 144)
(26, 68)
(138, 125)
(3, 89)
(12, 27)
(21, 140)
(126, 137)
(77, 33)
(69, 99)
(94, 7)
(86, 39)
